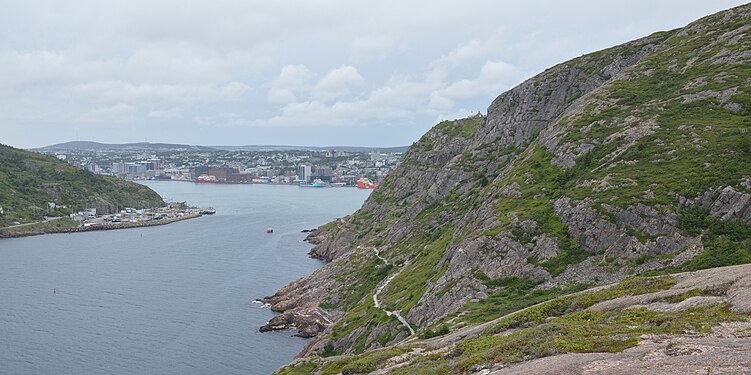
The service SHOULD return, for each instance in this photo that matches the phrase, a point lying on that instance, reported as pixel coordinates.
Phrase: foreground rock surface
(727, 350)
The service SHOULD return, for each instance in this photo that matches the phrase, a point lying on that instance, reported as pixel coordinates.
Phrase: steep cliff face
(629, 160)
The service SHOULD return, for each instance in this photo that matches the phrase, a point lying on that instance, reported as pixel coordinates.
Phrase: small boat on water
(269, 230)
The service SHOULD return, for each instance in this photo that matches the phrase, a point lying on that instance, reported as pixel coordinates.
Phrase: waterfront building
(200, 170)
(304, 172)
(136, 168)
(153, 165)
(222, 173)
(119, 168)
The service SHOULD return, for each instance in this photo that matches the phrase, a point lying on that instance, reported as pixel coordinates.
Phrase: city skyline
(225, 166)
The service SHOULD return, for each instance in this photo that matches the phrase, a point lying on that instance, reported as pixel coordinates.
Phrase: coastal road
(32, 223)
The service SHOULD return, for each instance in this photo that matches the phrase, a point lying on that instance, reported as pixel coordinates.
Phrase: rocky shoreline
(301, 314)
(14, 234)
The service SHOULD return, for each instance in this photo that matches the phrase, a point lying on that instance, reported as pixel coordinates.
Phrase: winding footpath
(377, 303)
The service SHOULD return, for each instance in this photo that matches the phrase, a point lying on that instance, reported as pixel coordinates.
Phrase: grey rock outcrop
(726, 203)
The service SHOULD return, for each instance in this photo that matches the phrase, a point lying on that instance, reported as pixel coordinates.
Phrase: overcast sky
(371, 73)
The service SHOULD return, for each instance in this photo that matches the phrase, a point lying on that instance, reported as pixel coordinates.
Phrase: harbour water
(173, 299)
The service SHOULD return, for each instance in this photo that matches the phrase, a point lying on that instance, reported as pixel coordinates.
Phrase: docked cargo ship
(365, 183)
(204, 179)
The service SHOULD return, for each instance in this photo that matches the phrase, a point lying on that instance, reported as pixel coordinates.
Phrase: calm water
(173, 299)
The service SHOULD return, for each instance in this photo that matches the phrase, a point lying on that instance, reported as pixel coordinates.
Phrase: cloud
(116, 113)
(494, 77)
(401, 99)
(375, 47)
(291, 80)
(231, 91)
(471, 51)
(165, 113)
(293, 85)
(337, 83)
(117, 91)
(22, 69)
(31, 69)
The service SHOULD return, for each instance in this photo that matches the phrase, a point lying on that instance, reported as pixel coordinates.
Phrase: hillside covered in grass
(28, 181)
(698, 322)
(634, 160)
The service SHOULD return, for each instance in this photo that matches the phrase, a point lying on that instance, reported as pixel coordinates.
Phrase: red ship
(204, 179)
(364, 183)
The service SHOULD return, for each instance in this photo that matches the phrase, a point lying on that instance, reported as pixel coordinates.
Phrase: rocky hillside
(688, 323)
(29, 180)
(631, 160)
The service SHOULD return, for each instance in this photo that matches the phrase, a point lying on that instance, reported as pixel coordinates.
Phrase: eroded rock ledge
(298, 302)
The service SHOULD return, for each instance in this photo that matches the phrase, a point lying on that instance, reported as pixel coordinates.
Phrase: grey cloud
(337, 83)
(127, 92)
(291, 80)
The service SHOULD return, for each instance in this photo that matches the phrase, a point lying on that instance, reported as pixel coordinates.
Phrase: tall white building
(119, 168)
(303, 172)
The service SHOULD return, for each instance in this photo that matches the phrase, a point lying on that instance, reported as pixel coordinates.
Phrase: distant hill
(28, 180)
(96, 146)
(146, 146)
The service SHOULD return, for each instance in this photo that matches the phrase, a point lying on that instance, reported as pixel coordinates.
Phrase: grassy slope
(29, 180)
(562, 325)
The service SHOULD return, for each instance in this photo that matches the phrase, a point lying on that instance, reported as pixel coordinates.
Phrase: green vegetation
(577, 302)
(510, 282)
(405, 290)
(538, 183)
(509, 300)
(583, 332)
(45, 226)
(361, 281)
(464, 127)
(301, 368)
(363, 313)
(29, 180)
(430, 333)
(685, 134)
(362, 364)
(562, 325)
(725, 242)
